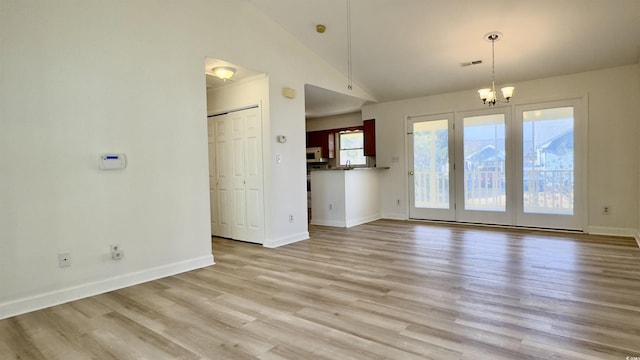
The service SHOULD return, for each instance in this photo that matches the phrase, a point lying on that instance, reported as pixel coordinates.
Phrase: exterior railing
(548, 191)
(544, 191)
(431, 189)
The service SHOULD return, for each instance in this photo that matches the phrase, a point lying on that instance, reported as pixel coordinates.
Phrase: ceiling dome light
(223, 72)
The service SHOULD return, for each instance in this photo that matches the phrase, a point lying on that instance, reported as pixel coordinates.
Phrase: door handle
(411, 172)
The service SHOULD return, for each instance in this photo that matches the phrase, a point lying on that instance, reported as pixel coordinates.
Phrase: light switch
(278, 159)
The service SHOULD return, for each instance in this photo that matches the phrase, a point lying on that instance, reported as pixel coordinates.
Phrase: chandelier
(489, 95)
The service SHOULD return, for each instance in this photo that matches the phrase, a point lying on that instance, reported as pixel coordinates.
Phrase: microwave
(314, 155)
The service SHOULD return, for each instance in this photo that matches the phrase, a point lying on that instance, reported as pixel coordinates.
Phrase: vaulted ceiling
(409, 48)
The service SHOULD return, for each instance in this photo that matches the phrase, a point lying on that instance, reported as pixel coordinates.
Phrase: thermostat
(113, 161)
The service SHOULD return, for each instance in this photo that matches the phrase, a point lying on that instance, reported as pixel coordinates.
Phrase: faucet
(348, 164)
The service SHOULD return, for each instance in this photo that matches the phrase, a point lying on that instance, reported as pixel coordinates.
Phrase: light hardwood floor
(384, 290)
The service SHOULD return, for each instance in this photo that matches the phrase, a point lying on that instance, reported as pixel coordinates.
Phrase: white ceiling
(409, 48)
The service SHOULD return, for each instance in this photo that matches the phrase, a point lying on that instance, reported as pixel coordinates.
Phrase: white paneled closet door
(212, 176)
(253, 176)
(238, 169)
(238, 181)
(222, 195)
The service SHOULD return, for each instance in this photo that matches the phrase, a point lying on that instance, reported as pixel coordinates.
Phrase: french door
(483, 155)
(485, 167)
(551, 165)
(431, 185)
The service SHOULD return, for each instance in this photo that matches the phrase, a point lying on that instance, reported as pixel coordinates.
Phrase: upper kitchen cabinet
(323, 139)
(369, 129)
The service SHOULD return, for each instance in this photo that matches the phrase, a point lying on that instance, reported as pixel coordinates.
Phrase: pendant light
(489, 95)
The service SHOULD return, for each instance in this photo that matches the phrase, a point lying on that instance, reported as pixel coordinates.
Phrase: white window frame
(340, 149)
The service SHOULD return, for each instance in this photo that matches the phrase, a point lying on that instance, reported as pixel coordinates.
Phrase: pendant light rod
(493, 38)
(349, 71)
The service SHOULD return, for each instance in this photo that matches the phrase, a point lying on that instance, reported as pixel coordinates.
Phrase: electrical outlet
(64, 259)
(290, 218)
(606, 210)
(116, 252)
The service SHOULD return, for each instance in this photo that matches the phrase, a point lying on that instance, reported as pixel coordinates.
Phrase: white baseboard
(327, 222)
(610, 231)
(286, 240)
(362, 220)
(41, 301)
(346, 223)
(395, 216)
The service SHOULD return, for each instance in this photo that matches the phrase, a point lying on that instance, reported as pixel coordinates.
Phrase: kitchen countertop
(353, 168)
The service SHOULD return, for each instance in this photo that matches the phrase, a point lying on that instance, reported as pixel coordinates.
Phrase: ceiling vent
(469, 63)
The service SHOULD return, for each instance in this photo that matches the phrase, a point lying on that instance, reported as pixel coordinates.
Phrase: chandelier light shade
(223, 72)
(489, 95)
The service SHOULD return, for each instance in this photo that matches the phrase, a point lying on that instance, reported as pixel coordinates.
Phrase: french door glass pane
(548, 161)
(484, 163)
(431, 164)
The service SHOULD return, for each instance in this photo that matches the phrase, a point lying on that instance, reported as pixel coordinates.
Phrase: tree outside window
(352, 148)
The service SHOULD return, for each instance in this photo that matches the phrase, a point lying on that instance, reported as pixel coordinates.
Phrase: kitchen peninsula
(345, 197)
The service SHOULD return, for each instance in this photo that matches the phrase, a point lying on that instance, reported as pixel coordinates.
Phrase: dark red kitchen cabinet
(369, 137)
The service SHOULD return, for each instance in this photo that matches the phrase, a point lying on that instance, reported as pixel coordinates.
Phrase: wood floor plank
(383, 290)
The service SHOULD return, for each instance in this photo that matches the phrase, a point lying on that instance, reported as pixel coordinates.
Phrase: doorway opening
(235, 152)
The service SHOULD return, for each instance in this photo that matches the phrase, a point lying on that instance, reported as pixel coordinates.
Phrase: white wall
(345, 198)
(79, 78)
(334, 122)
(612, 157)
(328, 206)
(236, 95)
(362, 196)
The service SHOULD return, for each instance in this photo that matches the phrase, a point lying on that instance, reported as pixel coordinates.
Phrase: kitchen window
(352, 148)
